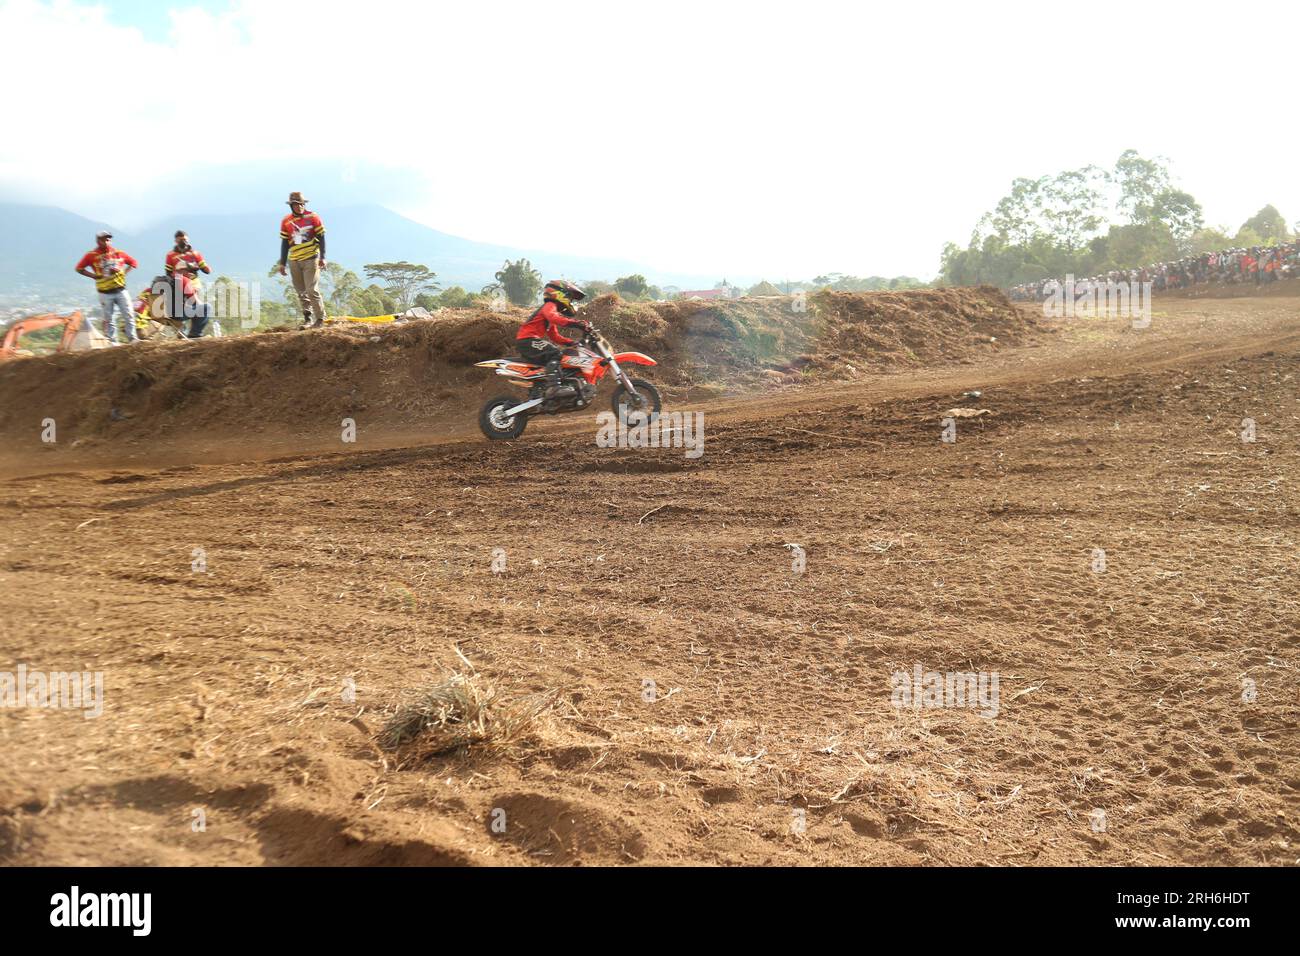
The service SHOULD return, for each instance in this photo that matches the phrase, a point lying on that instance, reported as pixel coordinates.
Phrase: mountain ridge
(40, 245)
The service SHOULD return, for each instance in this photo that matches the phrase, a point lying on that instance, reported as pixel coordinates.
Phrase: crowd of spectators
(1258, 265)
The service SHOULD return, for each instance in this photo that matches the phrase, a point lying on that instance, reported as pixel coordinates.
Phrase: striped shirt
(110, 267)
(303, 233)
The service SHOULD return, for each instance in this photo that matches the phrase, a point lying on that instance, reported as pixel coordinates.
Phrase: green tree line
(1090, 221)
(392, 287)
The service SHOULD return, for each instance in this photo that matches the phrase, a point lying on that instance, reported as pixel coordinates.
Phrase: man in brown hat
(302, 248)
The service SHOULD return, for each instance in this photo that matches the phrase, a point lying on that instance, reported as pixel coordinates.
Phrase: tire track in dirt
(1121, 692)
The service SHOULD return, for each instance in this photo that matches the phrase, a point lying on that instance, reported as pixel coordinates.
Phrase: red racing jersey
(110, 267)
(174, 258)
(303, 234)
(546, 323)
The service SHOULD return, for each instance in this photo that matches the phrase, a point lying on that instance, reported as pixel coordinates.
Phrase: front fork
(622, 377)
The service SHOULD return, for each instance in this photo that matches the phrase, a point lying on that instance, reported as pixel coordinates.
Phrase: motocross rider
(541, 339)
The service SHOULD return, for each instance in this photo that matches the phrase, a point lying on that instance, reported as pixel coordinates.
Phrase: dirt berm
(420, 374)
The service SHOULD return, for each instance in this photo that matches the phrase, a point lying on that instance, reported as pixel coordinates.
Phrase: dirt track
(1120, 691)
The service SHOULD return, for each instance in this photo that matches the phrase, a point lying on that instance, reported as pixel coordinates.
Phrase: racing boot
(554, 386)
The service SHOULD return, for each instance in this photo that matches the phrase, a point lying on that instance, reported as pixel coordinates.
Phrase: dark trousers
(541, 351)
(179, 308)
(198, 313)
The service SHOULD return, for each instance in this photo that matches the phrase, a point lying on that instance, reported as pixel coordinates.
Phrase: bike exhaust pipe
(512, 412)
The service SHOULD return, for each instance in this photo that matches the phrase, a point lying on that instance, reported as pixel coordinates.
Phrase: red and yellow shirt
(144, 305)
(110, 267)
(174, 258)
(303, 233)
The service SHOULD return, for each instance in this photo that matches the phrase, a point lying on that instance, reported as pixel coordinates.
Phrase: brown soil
(281, 388)
(227, 691)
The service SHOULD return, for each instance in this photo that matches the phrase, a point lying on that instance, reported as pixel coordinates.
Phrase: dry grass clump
(460, 712)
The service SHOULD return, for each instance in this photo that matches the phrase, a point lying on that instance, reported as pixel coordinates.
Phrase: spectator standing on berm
(182, 266)
(185, 258)
(109, 267)
(302, 247)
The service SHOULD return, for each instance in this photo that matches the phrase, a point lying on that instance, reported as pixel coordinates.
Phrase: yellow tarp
(363, 318)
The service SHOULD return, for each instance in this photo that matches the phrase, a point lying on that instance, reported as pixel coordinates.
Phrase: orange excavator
(78, 334)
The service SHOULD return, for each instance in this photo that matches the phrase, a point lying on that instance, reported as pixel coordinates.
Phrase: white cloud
(752, 138)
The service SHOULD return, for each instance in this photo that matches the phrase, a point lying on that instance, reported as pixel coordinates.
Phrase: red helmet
(563, 294)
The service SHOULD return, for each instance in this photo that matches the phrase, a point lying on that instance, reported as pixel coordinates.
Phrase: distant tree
(631, 287)
(1065, 209)
(231, 302)
(1147, 194)
(1072, 205)
(1209, 239)
(519, 281)
(1013, 219)
(1140, 181)
(1178, 211)
(455, 298)
(374, 300)
(845, 283)
(273, 314)
(1247, 237)
(595, 287)
(403, 281)
(1268, 224)
(1053, 226)
(1134, 244)
(993, 260)
(338, 285)
(286, 290)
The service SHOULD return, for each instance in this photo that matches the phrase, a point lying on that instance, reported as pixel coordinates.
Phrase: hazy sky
(778, 139)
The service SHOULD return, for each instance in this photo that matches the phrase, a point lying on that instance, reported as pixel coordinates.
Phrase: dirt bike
(581, 369)
(160, 319)
(167, 329)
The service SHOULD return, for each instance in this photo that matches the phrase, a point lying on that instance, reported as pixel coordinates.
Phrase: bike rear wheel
(496, 425)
